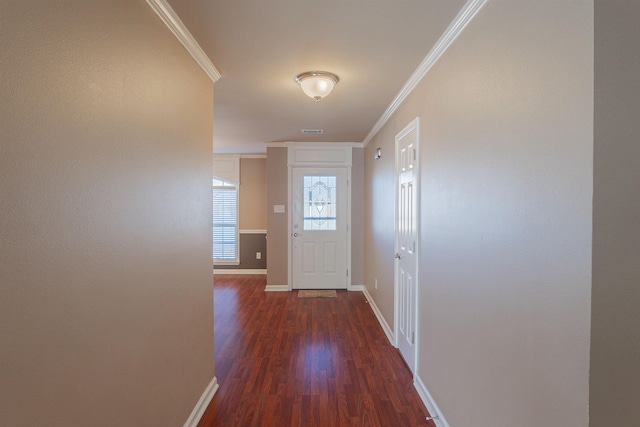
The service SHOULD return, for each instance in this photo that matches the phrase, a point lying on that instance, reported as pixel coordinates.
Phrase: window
(319, 202)
(225, 221)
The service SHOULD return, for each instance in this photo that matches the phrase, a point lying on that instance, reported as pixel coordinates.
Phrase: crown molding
(174, 23)
(466, 14)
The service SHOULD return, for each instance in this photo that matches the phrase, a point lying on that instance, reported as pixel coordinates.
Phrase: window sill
(225, 263)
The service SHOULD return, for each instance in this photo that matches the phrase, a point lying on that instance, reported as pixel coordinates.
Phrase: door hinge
(347, 272)
(413, 338)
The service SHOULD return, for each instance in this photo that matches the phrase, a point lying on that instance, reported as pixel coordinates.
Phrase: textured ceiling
(260, 46)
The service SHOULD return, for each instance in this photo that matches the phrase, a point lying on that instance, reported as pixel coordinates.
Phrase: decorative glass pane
(319, 203)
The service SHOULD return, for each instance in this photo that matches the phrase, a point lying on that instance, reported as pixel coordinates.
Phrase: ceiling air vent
(312, 131)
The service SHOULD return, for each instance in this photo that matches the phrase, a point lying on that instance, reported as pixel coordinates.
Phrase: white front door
(319, 228)
(406, 242)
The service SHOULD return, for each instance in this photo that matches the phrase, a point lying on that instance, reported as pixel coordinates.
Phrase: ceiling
(260, 46)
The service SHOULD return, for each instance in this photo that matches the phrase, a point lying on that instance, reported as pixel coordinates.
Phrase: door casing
(328, 154)
(411, 127)
(319, 241)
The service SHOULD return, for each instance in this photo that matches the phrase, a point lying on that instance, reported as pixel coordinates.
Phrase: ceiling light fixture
(317, 84)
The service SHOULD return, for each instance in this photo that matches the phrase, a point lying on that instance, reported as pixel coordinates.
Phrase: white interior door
(319, 228)
(406, 243)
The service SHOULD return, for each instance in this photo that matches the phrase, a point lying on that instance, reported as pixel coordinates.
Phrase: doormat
(307, 293)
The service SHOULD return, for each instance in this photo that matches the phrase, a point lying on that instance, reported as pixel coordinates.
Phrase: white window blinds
(225, 221)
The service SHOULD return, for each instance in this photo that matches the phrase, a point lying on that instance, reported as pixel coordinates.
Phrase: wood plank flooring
(287, 361)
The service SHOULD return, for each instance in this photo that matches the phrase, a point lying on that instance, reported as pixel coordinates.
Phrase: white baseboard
(356, 288)
(202, 404)
(385, 326)
(277, 288)
(428, 401)
(238, 271)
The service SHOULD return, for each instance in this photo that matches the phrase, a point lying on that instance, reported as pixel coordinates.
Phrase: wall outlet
(258, 255)
(375, 283)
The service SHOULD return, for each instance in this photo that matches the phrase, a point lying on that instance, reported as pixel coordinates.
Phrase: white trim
(239, 271)
(313, 144)
(325, 155)
(468, 12)
(252, 231)
(385, 326)
(174, 23)
(356, 288)
(202, 404)
(218, 263)
(253, 156)
(428, 401)
(277, 288)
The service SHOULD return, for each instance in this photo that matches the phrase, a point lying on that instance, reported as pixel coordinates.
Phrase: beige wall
(379, 221)
(277, 223)
(253, 194)
(506, 140)
(615, 335)
(105, 218)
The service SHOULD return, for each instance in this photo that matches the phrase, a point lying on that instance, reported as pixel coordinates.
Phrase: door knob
(295, 234)
(398, 256)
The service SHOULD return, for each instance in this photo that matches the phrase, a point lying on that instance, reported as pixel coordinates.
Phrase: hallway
(287, 361)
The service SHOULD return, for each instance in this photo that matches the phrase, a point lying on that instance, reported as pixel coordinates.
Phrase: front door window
(320, 203)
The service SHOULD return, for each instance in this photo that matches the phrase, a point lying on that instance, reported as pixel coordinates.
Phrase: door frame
(413, 125)
(314, 155)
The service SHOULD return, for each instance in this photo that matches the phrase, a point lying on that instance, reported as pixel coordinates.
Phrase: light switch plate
(278, 208)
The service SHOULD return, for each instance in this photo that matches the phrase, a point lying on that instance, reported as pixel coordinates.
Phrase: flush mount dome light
(317, 84)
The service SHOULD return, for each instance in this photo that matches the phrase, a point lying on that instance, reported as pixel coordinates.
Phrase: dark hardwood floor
(287, 361)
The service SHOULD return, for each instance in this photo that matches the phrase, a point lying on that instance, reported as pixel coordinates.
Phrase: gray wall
(249, 244)
(615, 331)
(506, 140)
(105, 217)
(277, 223)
